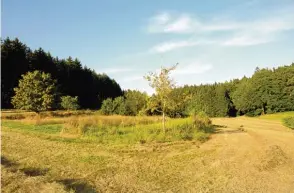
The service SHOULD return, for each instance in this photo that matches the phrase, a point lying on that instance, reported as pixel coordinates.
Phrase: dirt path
(257, 155)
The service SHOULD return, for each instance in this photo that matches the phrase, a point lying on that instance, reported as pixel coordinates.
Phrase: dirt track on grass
(257, 155)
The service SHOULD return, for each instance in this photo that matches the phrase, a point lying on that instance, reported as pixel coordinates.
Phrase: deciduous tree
(35, 92)
(163, 85)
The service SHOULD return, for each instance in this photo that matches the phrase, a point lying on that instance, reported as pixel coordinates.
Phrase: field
(65, 153)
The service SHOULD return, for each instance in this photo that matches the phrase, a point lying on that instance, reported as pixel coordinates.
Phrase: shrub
(116, 106)
(202, 122)
(107, 107)
(69, 103)
(186, 131)
(119, 106)
(289, 122)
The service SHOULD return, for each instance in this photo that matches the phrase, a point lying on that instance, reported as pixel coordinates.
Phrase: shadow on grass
(77, 186)
(34, 171)
(13, 167)
(219, 126)
(8, 163)
(70, 184)
(218, 129)
(221, 131)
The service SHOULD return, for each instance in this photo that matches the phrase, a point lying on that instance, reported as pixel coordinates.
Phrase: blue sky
(211, 40)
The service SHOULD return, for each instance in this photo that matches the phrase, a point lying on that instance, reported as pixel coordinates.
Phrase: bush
(116, 106)
(107, 107)
(69, 103)
(289, 122)
(202, 122)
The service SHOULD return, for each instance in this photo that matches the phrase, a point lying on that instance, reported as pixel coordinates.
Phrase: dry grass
(17, 181)
(258, 160)
(20, 114)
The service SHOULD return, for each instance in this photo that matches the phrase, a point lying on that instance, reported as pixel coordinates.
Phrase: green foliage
(116, 106)
(289, 122)
(164, 100)
(14, 63)
(130, 104)
(135, 101)
(119, 106)
(69, 103)
(243, 97)
(35, 92)
(163, 86)
(73, 79)
(107, 107)
(267, 91)
(213, 99)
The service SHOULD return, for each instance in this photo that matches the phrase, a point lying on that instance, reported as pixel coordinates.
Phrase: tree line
(267, 91)
(72, 78)
(75, 86)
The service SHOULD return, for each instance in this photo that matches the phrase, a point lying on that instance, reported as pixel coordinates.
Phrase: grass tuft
(289, 122)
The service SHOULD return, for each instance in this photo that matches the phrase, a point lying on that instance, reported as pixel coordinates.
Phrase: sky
(213, 41)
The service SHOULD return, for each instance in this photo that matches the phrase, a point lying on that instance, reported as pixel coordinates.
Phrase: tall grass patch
(289, 122)
(122, 129)
(83, 125)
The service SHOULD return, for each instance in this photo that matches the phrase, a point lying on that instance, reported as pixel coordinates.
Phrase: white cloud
(194, 67)
(165, 23)
(247, 40)
(184, 24)
(168, 46)
(162, 18)
(173, 45)
(237, 33)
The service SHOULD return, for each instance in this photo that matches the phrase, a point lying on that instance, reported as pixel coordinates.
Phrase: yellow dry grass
(244, 155)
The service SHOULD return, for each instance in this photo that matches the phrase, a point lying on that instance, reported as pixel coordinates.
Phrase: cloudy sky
(211, 40)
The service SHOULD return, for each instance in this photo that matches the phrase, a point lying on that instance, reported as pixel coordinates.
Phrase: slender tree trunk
(163, 122)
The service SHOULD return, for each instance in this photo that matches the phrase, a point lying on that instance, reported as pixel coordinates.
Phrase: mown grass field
(65, 153)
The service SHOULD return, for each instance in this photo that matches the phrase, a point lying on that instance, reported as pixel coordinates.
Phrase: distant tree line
(78, 87)
(72, 78)
(267, 91)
